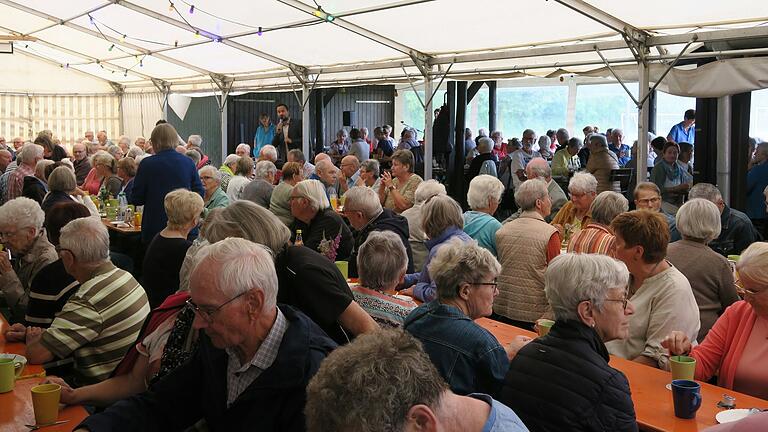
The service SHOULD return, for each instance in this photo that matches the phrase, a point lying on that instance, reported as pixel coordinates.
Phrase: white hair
(195, 140)
(607, 205)
(364, 200)
(582, 182)
(22, 212)
(216, 174)
(427, 189)
(243, 146)
(314, 192)
(134, 151)
(483, 188)
(379, 271)
(264, 169)
(231, 159)
(268, 151)
(529, 192)
(324, 165)
(371, 166)
(484, 145)
(240, 265)
(30, 152)
(87, 239)
(596, 275)
(698, 220)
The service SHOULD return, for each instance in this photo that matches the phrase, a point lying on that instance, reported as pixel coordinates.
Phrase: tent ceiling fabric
(131, 42)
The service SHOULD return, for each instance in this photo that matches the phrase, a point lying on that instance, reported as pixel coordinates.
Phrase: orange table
(126, 230)
(653, 402)
(16, 405)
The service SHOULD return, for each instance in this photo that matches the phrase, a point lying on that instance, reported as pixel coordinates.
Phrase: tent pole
(428, 129)
(224, 131)
(642, 118)
(305, 114)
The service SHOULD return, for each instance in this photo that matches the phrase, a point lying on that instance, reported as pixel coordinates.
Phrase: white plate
(733, 415)
(18, 360)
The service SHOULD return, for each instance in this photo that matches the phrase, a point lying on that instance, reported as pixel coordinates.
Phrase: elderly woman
(115, 151)
(483, 197)
(735, 347)
(104, 169)
(416, 237)
(340, 146)
(134, 152)
(597, 237)
(323, 230)
(369, 174)
(397, 188)
(63, 188)
(243, 173)
(35, 187)
(708, 272)
(307, 280)
(260, 189)
(380, 274)
(671, 176)
(227, 170)
(441, 220)
(575, 213)
(243, 150)
(214, 197)
(126, 170)
(22, 233)
(280, 202)
(575, 387)
(484, 148)
(469, 358)
(661, 294)
(166, 252)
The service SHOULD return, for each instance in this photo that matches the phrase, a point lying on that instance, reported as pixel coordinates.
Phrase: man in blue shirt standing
(685, 130)
(264, 134)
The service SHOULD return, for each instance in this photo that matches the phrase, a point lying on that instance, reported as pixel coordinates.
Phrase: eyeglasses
(742, 290)
(624, 301)
(7, 234)
(493, 284)
(206, 178)
(207, 313)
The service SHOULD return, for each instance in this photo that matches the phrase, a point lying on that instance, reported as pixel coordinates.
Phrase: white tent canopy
(277, 44)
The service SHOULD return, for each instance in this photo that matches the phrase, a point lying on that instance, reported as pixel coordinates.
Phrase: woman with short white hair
(214, 196)
(22, 233)
(322, 229)
(575, 213)
(483, 197)
(569, 366)
(709, 273)
(166, 252)
(416, 236)
(597, 237)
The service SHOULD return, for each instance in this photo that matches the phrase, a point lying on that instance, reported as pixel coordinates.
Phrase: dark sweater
(386, 221)
(326, 225)
(162, 263)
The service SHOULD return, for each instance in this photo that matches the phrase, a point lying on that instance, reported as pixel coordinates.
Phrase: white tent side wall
(140, 112)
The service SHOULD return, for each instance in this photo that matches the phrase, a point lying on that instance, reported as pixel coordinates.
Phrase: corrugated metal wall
(373, 105)
(243, 114)
(69, 117)
(203, 118)
(140, 113)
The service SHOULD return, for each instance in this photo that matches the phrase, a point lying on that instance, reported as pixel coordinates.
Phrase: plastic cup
(343, 268)
(682, 367)
(137, 219)
(45, 402)
(7, 375)
(544, 326)
(112, 213)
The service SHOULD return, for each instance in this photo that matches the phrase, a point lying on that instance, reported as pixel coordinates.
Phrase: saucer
(733, 415)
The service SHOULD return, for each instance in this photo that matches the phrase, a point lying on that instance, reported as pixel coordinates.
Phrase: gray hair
(245, 146)
(87, 239)
(582, 182)
(314, 192)
(596, 275)
(324, 165)
(40, 167)
(194, 155)
(231, 159)
(210, 169)
(268, 151)
(607, 205)
(705, 191)
(30, 152)
(22, 212)
(484, 145)
(195, 140)
(458, 262)
(134, 151)
(62, 179)
(529, 192)
(371, 166)
(753, 264)
(440, 213)
(240, 265)
(483, 188)
(598, 140)
(379, 271)
(427, 189)
(114, 149)
(698, 220)
(248, 220)
(264, 169)
(575, 142)
(364, 200)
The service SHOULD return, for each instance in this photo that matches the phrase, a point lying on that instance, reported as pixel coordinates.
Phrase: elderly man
(539, 169)
(363, 210)
(485, 153)
(102, 140)
(89, 136)
(269, 153)
(648, 196)
(297, 155)
(243, 149)
(253, 360)
(365, 377)
(5, 159)
(349, 173)
(260, 189)
(328, 176)
(562, 137)
(80, 162)
(684, 131)
(193, 143)
(519, 158)
(323, 230)
(737, 231)
(227, 170)
(102, 319)
(621, 150)
(601, 162)
(30, 155)
(525, 246)
(22, 233)
(566, 160)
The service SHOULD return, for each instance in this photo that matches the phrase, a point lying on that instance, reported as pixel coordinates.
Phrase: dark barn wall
(203, 118)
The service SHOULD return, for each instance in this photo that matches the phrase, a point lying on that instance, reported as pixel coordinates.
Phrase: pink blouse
(750, 377)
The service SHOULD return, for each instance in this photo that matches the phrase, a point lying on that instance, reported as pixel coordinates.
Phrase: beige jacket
(522, 249)
(601, 162)
(15, 284)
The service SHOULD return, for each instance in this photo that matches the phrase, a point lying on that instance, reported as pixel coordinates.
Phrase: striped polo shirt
(99, 323)
(593, 239)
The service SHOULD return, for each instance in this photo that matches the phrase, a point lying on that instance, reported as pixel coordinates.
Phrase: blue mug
(686, 395)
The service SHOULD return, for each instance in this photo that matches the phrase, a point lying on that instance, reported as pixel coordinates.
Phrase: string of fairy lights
(183, 9)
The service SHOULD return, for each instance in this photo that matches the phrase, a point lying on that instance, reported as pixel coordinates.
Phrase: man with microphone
(287, 133)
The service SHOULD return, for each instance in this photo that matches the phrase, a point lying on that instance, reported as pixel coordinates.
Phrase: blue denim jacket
(467, 356)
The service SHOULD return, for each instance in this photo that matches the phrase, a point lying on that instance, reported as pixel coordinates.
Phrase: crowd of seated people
(235, 320)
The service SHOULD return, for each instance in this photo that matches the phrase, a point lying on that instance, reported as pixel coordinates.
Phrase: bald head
(5, 159)
(321, 156)
(538, 168)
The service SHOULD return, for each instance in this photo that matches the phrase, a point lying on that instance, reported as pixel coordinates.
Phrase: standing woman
(398, 188)
(672, 177)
